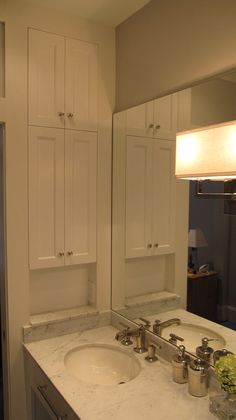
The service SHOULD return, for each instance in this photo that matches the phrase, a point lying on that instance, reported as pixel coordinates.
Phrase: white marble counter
(151, 395)
(189, 318)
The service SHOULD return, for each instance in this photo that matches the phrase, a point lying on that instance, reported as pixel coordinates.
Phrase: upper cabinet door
(164, 190)
(46, 79)
(80, 196)
(139, 120)
(46, 197)
(81, 96)
(165, 117)
(138, 197)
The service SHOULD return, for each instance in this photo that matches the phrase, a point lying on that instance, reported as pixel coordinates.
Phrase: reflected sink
(102, 364)
(193, 335)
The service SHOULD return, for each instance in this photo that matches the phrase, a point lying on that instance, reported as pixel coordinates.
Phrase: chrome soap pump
(180, 366)
(204, 352)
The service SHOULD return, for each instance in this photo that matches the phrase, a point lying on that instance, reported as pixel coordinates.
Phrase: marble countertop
(189, 318)
(151, 395)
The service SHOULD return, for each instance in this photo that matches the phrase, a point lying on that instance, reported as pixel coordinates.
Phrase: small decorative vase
(223, 405)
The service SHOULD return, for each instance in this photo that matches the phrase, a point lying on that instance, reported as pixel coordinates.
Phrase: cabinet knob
(61, 254)
(151, 126)
(156, 245)
(70, 115)
(61, 114)
(157, 127)
(70, 253)
(149, 245)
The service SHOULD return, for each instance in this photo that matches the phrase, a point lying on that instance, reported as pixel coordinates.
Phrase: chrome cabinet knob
(70, 253)
(157, 127)
(61, 114)
(70, 115)
(61, 254)
(149, 245)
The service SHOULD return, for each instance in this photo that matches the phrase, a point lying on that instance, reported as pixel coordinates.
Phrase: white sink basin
(102, 364)
(193, 335)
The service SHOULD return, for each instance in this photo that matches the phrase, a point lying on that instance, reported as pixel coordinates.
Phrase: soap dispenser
(180, 366)
(204, 352)
(198, 377)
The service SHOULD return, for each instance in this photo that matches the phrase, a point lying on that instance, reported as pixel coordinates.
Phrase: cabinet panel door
(46, 79)
(81, 85)
(139, 120)
(164, 191)
(138, 196)
(46, 197)
(165, 117)
(81, 179)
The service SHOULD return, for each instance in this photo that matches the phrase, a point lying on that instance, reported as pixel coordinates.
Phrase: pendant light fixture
(207, 153)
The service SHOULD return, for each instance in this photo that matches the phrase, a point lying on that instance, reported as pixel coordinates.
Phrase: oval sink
(193, 335)
(102, 364)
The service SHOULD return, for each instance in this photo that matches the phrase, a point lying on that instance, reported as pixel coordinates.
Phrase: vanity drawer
(45, 395)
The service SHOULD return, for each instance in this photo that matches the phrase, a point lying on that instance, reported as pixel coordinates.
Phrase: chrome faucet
(139, 333)
(158, 326)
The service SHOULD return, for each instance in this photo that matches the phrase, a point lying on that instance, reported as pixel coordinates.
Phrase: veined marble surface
(55, 324)
(189, 318)
(57, 316)
(149, 304)
(151, 395)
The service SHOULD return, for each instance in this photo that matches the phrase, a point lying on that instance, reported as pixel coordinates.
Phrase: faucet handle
(155, 327)
(146, 322)
(126, 341)
(124, 337)
(173, 338)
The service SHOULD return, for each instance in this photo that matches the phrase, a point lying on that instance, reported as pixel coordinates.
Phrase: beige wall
(23, 287)
(170, 44)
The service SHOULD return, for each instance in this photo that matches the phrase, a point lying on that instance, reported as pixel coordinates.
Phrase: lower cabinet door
(80, 196)
(39, 410)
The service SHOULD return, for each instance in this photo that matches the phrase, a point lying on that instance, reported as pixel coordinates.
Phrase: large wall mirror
(161, 233)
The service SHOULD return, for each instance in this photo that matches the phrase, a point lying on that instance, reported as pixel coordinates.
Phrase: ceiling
(107, 12)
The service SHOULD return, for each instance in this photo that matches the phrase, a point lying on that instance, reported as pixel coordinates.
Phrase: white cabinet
(81, 99)
(80, 202)
(43, 399)
(139, 120)
(138, 196)
(63, 85)
(150, 197)
(153, 119)
(62, 197)
(164, 117)
(164, 196)
(46, 79)
(46, 197)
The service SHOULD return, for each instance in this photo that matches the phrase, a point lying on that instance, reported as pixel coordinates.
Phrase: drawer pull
(42, 389)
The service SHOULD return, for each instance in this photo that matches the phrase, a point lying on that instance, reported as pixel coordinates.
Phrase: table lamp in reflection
(196, 239)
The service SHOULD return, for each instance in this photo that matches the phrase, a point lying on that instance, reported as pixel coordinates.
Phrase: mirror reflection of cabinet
(153, 119)
(150, 197)
(149, 207)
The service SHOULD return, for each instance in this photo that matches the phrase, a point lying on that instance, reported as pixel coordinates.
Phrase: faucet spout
(158, 326)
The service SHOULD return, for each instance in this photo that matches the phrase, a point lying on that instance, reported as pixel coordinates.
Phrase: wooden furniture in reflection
(202, 293)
